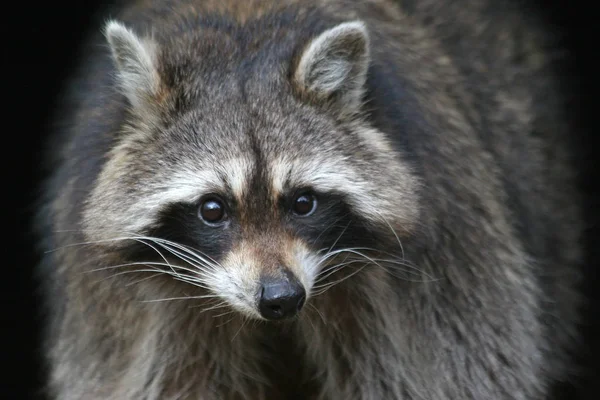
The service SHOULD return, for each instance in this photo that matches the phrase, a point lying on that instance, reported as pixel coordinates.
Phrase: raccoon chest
(286, 368)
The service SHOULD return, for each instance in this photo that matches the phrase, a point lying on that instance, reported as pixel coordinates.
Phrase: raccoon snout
(280, 297)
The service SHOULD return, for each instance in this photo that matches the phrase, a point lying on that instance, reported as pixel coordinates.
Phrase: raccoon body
(320, 199)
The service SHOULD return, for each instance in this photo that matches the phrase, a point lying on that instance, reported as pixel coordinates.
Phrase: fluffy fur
(441, 261)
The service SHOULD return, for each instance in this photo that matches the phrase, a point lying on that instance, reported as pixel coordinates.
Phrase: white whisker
(226, 322)
(319, 313)
(393, 231)
(241, 327)
(340, 280)
(180, 298)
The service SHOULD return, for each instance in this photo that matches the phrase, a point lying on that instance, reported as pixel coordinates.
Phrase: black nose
(281, 297)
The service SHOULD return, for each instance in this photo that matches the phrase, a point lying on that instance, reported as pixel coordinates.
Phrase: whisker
(202, 267)
(393, 231)
(411, 269)
(157, 251)
(334, 253)
(184, 277)
(137, 239)
(180, 298)
(143, 279)
(244, 321)
(183, 257)
(216, 306)
(91, 242)
(333, 225)
(152, 270)
(190, 280)
(307, 317)
(319, 313)
(199, 269)
(225, 313)
(125, 265)
(339, 236)
(340, 280)
(142, 239)
(332, 270)
(226, 322)
(193, 281)
(192, 251)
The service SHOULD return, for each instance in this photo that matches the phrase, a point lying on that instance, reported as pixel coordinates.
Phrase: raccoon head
(249, 165)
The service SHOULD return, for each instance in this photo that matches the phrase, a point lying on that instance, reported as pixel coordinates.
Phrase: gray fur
(453, 149)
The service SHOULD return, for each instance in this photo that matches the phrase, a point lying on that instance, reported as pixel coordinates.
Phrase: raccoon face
(251, 188)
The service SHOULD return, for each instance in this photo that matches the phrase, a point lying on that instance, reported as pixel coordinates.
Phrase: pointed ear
(135, 59)
(334, 66)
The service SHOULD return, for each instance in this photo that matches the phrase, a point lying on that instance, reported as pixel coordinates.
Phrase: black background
(38, 47)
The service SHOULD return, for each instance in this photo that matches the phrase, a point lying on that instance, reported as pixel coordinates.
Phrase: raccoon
(316, 199)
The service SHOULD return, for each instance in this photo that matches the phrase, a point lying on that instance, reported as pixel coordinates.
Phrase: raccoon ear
(135, 59)
(334, 65)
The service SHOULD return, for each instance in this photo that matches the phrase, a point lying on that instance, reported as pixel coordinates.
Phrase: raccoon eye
(212, 210)
(304, 204)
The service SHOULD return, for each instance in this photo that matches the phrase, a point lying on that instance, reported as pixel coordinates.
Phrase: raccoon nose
(280, 298)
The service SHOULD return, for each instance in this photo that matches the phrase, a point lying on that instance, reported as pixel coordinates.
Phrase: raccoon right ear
(334, 66)
(135, 59)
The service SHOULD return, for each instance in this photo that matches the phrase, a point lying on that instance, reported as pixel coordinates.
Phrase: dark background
(39, 44)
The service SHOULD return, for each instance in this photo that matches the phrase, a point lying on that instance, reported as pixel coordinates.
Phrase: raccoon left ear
(135, 59)
(334, 66)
